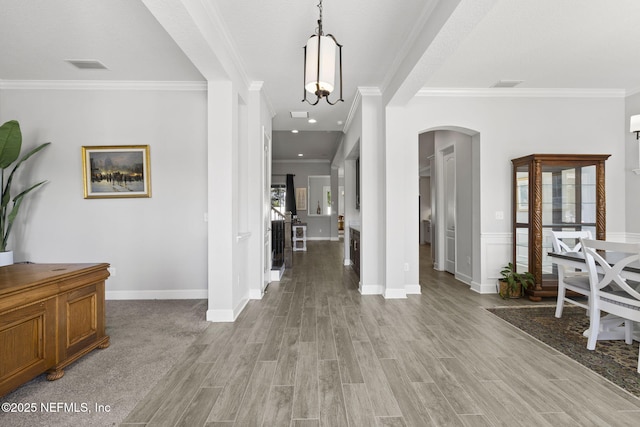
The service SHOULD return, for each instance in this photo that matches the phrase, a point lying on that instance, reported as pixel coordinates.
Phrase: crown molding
(352, 111)
(302, 161)
(102, 85)
(256, 86)
(633, 91)
(230, 47)
(522, 93)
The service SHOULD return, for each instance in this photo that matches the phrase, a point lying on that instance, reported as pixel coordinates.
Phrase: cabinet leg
(105, 344)
(55, 374)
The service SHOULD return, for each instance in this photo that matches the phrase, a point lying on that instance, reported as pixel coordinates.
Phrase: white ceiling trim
(257, 86)
(409, 43)
(230, 46)
(101, 85)
(520, 93)
(301, 161)
(352, 111)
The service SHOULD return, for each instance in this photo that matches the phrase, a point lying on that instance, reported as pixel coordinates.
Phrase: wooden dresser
(50, 315)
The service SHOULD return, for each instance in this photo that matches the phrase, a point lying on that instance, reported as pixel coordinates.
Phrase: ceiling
(547, 44)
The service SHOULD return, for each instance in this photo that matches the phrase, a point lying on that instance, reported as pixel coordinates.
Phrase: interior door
(266, 208)
(450, 211)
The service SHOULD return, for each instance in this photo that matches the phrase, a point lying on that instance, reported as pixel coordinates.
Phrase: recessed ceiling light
(313, 121)
(340, 122)
(294, 131)
(300, 155)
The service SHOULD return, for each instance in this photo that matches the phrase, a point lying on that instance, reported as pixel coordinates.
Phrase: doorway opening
(449, 217)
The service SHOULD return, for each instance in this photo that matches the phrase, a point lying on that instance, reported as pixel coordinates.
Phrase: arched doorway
(450, 201)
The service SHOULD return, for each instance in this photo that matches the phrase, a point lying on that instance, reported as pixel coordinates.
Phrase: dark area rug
(614, 360)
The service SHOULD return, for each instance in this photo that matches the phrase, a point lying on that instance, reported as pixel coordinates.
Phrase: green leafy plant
(514, 282)
(10, 146)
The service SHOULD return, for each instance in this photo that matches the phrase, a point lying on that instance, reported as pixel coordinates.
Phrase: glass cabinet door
(568, 204)
(522, 218)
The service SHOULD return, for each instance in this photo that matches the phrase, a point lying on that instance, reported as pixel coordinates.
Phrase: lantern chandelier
(320, 65)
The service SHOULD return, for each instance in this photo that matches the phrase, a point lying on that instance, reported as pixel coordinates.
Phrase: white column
(222, 199)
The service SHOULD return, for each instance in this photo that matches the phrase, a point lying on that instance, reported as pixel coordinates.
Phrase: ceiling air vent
(87, 64)
(507, 83)
(299, 114)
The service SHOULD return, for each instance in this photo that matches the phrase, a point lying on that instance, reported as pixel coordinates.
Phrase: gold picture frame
(116, 171)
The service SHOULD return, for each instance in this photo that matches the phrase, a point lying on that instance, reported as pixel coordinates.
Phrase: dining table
(611, 326)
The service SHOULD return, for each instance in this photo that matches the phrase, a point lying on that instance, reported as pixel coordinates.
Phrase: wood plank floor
(314, 352)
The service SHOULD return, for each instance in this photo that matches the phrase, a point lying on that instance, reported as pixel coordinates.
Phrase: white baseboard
(226, 315)
(395, 293)
(318, 238)
(463, 278)
(347, 262)
(255, 294)
(157, 294)
(412, 289)
(335, 239)
(220, 316)
(483, 288)
(276, 275)
(371, 290)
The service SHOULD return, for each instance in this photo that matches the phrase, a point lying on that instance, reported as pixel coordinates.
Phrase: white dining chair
(611, 292)
(569, 278)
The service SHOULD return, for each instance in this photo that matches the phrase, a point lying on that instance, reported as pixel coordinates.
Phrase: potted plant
(512, 283)
(10, 146)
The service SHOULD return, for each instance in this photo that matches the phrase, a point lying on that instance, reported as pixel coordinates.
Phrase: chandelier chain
(319, 28)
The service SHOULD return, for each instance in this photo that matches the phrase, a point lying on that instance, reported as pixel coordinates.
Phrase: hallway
(314, 352)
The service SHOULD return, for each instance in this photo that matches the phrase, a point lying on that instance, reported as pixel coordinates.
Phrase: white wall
(318, 227)
(509, 127)
(632, 180)
(157, 245)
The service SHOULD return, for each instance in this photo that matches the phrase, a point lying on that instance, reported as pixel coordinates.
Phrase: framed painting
(301, 199)
(116, 171)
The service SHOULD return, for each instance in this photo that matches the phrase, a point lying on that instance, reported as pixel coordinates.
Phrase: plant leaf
(17, 201)
(10, 143)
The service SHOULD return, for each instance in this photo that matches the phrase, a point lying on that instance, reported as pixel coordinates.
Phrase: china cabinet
(559, 192)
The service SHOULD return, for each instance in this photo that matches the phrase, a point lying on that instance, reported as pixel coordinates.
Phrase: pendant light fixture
(320, 65)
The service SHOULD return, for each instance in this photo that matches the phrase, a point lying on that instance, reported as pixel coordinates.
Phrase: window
(278, 193)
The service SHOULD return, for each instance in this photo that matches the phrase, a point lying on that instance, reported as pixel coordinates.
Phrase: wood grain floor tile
(228, 403)
(412, 410)
(358, 406)
(287, 358)
(390, 422)
(378, 384)
(179, 398)
(349, 367)
(308, 325)
(279, 407)
(326, 341)
(305, 398)
(438, 407)
(154, 400)
(254, 402)
(315, 352)
(332, 409)
(198, 410)
(273, 342)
